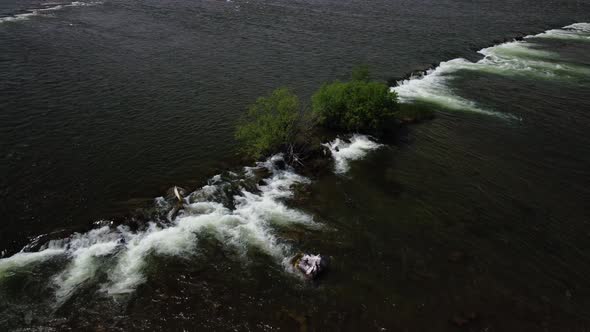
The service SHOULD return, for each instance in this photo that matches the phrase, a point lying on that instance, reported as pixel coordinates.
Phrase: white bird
(177, 194)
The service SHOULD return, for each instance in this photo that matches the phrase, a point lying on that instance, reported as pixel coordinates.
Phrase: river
(477, 219)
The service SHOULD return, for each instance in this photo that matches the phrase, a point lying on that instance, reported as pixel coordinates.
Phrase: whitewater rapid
(242, 211)
(344, 151)
(46, 11)
(576, 31)
(516, 58)
(239, 216)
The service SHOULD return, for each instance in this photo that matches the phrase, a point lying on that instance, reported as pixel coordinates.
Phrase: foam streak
(517, 58)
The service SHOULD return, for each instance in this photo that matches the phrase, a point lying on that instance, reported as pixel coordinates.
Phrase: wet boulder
(461, 320)
(311, 266)
(175, 194)
(175, 197)
(279, 164)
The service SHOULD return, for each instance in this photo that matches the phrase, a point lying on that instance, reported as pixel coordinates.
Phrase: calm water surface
(478, 218)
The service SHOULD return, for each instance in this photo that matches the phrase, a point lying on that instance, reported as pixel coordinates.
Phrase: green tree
(361, 73)
(270, 123)
(358, 105)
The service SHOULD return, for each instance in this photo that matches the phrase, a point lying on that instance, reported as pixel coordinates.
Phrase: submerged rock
(456, 256)
(461, 320)
(310, 265)
(280, 164)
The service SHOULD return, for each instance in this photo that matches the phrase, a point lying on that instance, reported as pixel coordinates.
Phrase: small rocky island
(278, 123)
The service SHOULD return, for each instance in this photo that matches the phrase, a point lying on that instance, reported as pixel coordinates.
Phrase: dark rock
(301, 192)
(456, 256)
(310, 265)
(299, 319)
(418, 72)
(102, 223)
(459, 321)
(280, 164)
(171, 193)
(261, 173)
(37, 243)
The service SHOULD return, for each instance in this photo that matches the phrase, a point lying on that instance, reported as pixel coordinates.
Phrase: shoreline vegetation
(279, 123)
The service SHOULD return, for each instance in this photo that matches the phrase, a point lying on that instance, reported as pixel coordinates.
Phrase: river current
(477, 219)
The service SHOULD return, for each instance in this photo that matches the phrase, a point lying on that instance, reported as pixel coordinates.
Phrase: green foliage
(358, 105)
(270, 123)
(360, 73)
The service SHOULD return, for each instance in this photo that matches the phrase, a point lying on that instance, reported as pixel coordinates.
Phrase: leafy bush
(358, 105)
(361, 73)
(270, 123)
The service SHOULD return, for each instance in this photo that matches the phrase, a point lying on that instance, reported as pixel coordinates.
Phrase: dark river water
(478, 220)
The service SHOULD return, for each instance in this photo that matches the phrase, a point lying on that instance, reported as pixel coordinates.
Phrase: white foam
(576, 31)
(582, 26)
(433, 87)
(123, 255)
(517, 49)
(83, 251)
(82, 268)
(520, 58)
(18, 17)
(249, 225)
(43, 11)
(129, 269)
(344, 152)
(510, 59)
(23, 259)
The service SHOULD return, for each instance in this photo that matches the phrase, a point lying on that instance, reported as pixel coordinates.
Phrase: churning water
(244, 221)
(477, 218)
(511, 59)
